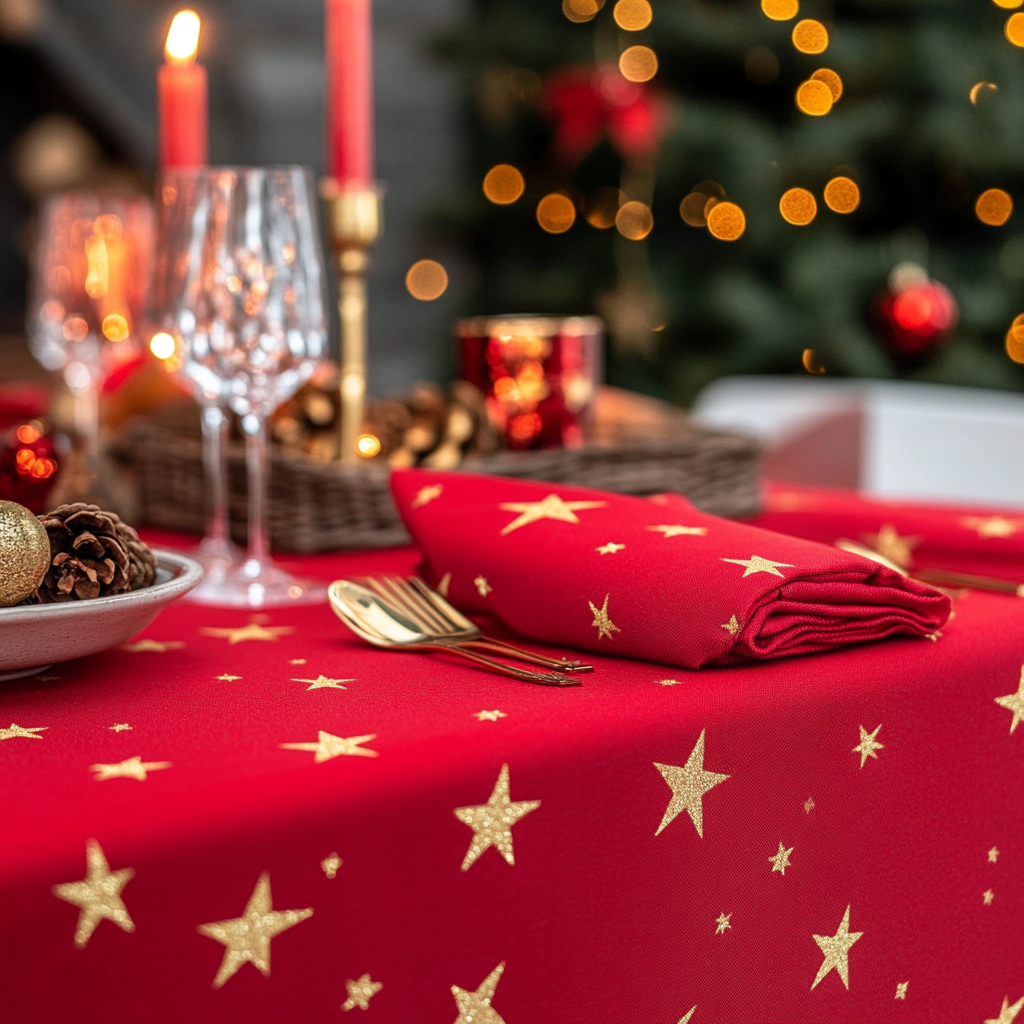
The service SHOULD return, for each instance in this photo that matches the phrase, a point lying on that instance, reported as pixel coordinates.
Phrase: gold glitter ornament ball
(24, 553)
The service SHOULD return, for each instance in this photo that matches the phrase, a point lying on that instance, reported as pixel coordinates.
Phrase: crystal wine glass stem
(215, 427)
(86, 401)
(258, 553)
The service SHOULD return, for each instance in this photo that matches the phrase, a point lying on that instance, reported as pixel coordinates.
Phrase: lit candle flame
(183, 38)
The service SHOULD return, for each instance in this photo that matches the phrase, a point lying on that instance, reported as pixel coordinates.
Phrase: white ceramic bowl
(33, 637)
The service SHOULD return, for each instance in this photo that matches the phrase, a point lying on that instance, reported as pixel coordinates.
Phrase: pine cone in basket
(92, 554)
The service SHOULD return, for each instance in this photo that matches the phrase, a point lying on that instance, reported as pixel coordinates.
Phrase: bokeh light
(1008, 5)
(842, 195)
(831, 79)
(601, 207)
(694, 207)
(981, 87)
(780, 10)
(726, 221)
(367, 445)
(115, 327)
(993, 207)
(426, 280)
(1015, 339)
(632, 15)
(162, 345)
(579, 11)
(798, 206)
(814, 97)
(556, 213)
(810, 36)
(761, 66)
(634, 220)
(1015, 28)
(638, 64)
(503, 184)
(812, 364)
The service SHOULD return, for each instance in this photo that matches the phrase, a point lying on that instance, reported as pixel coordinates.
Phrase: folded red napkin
(649, 578)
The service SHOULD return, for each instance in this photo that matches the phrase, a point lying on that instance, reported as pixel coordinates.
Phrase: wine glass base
(218, 556)
(257, 585)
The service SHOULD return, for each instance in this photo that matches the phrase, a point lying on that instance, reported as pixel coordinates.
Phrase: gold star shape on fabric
(482, 586)
(722, 923)
(993, 855)
(425, 495)
(475, 1007)
(867, 746)
(492, 822)
(360, 992)
(991, 526)
(247, 938)
(119, 727)
(1014, 702)
(253, 631)
(155, 646)
(552, 507)
(98, 895)
(934, 635)
(610, 548)
(446, 582)
(15, 731)
(669, 682)
(322, 682)
(889, 544)
(227, 678)
(755, 563)
(689, 784)
(602, 622)
(329, 746)
(809, 804)
(1008, 1014)
(685, 1019)
(781, 860)
(133, 768)
(733, 626)
(987, 897)
(330, 865)
(837, 951)
(901, 989)
(489, 716)
(297, 661)
(680, 531)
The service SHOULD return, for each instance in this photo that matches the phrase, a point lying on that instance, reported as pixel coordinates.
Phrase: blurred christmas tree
(729, 119)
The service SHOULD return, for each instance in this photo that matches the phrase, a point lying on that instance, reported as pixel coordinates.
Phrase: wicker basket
(317, 506)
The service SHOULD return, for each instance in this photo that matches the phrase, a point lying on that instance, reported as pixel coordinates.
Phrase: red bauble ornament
(916, 314)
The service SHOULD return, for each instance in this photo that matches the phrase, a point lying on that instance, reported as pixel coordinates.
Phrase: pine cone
(92, 554)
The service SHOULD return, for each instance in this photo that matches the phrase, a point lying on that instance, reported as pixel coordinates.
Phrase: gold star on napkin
(482, 586)
(889, 544)
(733, 626)
(253, 631)
(156, 646)
(867, 746)
(247, 938)
(1012, 702)
(781, 860)
(98, 896)
(689, 784)
(489, 716)
(993, 855)
(133, 768)
(322, 682)
(227, 678)
(680, 531)
(901, 989)
(722, 923)
(328, 746)
(1008, 1014)
(602, 623)
(492, 822)
(809, 804)
(425, 495)
(330, 865)
(755, 563)
(552, 507)
(991, 526)
(987, 897)
(475, 1007)
(119, 727)
(610, 548)
(360, 992)
(685, 1019)
(837, 951)
(15, 731)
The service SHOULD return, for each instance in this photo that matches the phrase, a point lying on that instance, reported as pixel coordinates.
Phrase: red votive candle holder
(539, 375)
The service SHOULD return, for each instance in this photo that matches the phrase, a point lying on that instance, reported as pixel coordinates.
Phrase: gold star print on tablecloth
(755, 563)
(610, 548)
(296, 661)
(889, 544)
(323, 682)
(991, 526)
(685, 1019)
(98, 896)
(133, 768)
(228, 678)
(987, 897)
(492, 822)
(1014, 702)
(247, 938)
(119, 727)
(722, 923)
(993, 855)
(489, 716)
(837, 951)
(901, 989)
(809, 804)
(689, 784)
(253, 631)
(329, 746)
(15, 731)
(475, 1007)
(680, 531)
(425, 495)
(483, 588)
(867, 746)
(360, 992)
(733, 626)
(781, 860)
(330, 864)
(154, 646)
(669, 682)
(552, 507)
(602, 622)
(1008, 1014)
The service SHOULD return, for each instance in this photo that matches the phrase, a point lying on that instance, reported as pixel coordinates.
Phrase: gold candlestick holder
(353, 225)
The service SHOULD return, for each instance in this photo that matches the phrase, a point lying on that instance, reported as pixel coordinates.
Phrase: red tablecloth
(742, 840)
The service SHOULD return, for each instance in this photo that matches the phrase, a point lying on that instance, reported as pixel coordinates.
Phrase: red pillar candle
(181, 91)
(350, 91)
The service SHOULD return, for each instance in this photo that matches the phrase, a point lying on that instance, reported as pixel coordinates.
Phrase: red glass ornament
(918, 318)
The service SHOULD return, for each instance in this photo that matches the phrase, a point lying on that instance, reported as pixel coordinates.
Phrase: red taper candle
(181, 92)
(350, 91)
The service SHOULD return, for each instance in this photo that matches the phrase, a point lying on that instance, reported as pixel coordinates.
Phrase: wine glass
(90, 273)
(251, 317)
